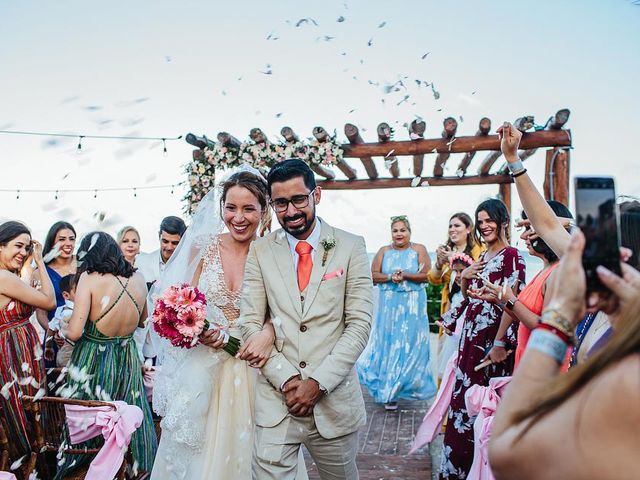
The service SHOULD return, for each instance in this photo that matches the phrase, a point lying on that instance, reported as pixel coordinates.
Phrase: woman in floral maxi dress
(499, 264)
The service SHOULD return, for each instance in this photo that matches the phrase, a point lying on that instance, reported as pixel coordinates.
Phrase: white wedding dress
(206, 397)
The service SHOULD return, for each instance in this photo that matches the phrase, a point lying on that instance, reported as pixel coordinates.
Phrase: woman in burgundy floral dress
(481, 314)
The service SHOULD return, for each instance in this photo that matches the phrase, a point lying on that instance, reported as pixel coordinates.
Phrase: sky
(163, 69)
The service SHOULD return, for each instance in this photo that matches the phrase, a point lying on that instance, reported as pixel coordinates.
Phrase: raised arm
(358, 310)
(542, 218)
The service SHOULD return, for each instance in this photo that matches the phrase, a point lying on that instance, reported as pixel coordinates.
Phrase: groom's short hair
(291, 168)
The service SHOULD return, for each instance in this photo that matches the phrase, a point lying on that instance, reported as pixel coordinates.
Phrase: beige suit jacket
(320, 333)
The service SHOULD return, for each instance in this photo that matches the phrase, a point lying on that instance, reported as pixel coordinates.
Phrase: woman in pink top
(526, 307)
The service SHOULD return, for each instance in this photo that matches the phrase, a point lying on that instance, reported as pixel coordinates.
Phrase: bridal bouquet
(179, 315)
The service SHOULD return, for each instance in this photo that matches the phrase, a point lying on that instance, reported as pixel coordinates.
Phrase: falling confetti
(16, 465)
(268, 70)
(370, 42)
(382, 25)
(39, 394)
(436, 94)
(104, 302)
(416, 181)
(425, 55)
(340, 19)
(94, 240)
(460, 173)
(304, 21)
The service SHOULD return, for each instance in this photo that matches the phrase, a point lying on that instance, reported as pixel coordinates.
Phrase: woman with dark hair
(20, 350)
(583, 424)
(110, 304)
(526, 307)
(214, 438)
(500, 265)
(60, 261)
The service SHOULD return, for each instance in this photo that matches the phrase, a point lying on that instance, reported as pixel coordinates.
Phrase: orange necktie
(305, 264)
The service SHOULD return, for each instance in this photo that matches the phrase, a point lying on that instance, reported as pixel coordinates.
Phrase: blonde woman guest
(128, 239)
(388, 368)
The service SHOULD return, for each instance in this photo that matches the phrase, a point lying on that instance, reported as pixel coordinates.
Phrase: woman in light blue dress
(395, 363)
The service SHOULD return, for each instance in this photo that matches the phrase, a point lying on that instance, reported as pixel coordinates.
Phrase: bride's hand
(257, 349)
(212, 338)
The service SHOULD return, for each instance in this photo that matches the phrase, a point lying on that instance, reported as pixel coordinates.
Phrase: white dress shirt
(313, 240)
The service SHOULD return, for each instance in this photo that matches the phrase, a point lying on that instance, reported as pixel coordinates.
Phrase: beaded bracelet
(549, 343)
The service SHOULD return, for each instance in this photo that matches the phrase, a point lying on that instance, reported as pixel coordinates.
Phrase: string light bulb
(164, 148)
(56, 195)
(95, 193)
(79, 148)
(18, 195)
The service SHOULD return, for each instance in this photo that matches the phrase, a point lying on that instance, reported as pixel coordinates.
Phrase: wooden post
(556, 175)
(291, 137)
(416, 132)
(322, 135)
(505, 195)
(554, 123)
(484, 127)
(353, 134)
(384, 135)
(228, 140)
(450, 128)
(257, 135)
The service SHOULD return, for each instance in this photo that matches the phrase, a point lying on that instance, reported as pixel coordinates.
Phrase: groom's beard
(302, 229)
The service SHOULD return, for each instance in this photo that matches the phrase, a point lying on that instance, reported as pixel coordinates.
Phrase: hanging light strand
(58, 191)
(81, 136)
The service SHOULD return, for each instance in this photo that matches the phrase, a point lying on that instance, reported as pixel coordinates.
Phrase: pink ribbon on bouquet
(432, 422)
(116, 426)
(483, 402)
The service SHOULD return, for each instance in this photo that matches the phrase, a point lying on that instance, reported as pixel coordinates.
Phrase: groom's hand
(301, 396)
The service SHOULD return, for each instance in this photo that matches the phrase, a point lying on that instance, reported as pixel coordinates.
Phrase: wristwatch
(511, 303)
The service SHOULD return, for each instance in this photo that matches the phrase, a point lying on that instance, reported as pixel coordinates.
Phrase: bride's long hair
(257, 185)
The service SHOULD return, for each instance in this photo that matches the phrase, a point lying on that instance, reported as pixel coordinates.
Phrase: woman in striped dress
(21, 368)
(109, 306)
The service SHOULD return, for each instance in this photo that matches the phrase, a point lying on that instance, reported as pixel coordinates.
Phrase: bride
(204, 395)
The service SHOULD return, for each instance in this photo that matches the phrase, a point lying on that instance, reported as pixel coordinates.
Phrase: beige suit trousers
(276, 449)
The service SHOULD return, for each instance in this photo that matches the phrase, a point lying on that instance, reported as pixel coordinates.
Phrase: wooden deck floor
(385, 442)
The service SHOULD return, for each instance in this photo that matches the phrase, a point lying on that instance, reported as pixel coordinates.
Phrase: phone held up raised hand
(598, 218)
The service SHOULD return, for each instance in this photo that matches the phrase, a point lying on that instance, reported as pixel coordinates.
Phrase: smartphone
(598, 218)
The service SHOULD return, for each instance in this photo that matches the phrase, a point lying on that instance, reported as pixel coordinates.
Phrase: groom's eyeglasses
(299, 201)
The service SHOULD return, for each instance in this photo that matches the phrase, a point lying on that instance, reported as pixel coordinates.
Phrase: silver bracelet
(499, 343)
(516, 166)
(546, 342)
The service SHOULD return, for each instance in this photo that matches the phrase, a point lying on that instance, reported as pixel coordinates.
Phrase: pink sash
(115, 425)
(483, 402)
(432, 422)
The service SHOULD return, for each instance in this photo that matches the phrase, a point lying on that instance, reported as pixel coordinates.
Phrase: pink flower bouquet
(180, 317)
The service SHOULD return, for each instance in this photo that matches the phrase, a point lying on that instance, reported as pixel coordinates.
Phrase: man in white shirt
(151, 265)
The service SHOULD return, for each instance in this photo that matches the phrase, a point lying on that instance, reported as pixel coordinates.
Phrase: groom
(314, 282)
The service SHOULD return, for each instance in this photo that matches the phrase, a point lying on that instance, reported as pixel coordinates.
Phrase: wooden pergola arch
(553, 137)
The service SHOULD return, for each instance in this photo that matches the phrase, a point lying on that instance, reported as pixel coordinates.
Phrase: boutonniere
(327, 244)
